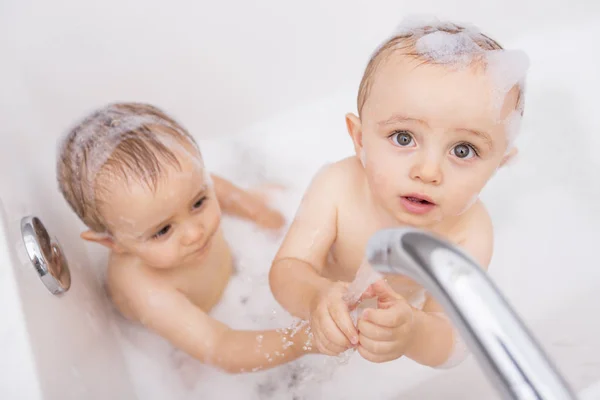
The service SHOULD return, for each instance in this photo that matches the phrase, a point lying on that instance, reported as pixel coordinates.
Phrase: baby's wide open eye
(464, 151)
(402, 138)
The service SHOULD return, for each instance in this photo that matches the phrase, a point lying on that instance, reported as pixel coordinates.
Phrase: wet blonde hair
(405, 42)
(128, 141)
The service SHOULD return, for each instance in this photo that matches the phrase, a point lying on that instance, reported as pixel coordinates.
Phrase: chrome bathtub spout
(493, 332)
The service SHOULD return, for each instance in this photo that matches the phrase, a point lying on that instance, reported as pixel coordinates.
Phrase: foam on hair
(454, 46)
(121, 140)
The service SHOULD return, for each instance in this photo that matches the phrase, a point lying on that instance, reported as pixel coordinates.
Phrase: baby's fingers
(376, 358)
(369, 293)
(389, 317)
(377, 347)
(375, 332)
(271, 219)
(341, 316)
(323, 344)
(334, 335)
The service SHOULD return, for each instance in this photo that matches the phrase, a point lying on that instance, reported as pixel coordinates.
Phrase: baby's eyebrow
(484, 136)
(201, 192)
(155, 228)
(400, 118)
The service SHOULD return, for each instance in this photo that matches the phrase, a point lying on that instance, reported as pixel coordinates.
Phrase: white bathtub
(286, 74)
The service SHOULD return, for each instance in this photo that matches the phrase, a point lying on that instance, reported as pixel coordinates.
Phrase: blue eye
(402, 138)
(162, 232)
(465, 151)
(199, 203)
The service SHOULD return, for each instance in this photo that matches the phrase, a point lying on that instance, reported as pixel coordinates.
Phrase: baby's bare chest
(355, 227)
(205, 284)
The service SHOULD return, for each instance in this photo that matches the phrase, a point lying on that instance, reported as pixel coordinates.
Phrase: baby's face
(431, 133)
(170, 226)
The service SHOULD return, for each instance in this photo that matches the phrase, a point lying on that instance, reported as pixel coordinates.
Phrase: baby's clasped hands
(332, 327)
(382, 334)
(385, 333)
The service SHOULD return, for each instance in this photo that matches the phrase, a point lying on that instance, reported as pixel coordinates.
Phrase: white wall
(246, 60)
(220, 67)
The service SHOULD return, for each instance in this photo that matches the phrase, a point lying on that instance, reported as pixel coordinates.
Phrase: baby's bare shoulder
(130, 284)
(338, 177)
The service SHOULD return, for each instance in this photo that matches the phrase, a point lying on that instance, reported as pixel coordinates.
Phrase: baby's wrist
(319, 292)
(302, 342)
(417, 323)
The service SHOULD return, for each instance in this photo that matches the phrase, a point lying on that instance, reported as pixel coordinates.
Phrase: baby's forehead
(139, 201)
(403, 81)
(408, 69)
(183, 165)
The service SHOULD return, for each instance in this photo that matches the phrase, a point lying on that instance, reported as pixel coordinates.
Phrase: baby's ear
(355, 130)
(509, 156)
(101, 238)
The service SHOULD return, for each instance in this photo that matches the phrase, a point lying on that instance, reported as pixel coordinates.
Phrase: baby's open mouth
(417, 200)
(417, 204)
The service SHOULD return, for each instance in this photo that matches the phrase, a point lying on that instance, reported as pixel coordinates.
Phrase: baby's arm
(170, 314)
(433, 335)
(244, 204)
(295, 276)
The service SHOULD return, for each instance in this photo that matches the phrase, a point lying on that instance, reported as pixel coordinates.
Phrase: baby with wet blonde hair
(439, 106)
(137, 180)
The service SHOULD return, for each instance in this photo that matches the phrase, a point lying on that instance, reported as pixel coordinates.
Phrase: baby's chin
(404, 218)
(427, 221)
(440, 215)
(160, 263)
(164, 266)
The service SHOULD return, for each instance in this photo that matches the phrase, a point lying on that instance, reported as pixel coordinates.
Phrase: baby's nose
(428, 170)
(194, 233)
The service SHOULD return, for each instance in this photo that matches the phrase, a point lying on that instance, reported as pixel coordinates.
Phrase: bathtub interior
(543, 206)
(69, 343)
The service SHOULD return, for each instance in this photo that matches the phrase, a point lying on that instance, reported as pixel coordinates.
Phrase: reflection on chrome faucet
(499, 340)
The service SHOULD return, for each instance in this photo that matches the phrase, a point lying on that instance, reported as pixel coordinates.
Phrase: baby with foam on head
(438, 108)
(136, 178)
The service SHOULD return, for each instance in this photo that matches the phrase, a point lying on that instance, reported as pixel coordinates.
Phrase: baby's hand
(269, 218)
(385, 332)
(330, 322)
(264, 215)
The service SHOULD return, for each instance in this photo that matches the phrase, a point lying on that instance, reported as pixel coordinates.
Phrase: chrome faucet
(493, 332)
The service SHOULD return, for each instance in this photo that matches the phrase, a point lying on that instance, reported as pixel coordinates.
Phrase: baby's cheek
(380, 183)
(463, 194)
(388, 175)
(162, 256)
(215, 216)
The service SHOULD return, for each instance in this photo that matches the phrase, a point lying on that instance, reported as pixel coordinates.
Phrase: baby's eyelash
(199, 203)
(472, 147)
(400, 131)
(163, 231)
